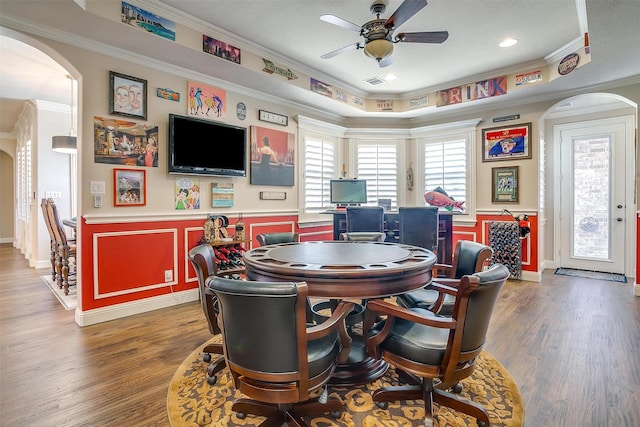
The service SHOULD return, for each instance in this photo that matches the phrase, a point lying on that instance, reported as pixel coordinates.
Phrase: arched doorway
(588, 156)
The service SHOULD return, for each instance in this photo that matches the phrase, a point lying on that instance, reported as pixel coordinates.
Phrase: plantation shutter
(378, 164)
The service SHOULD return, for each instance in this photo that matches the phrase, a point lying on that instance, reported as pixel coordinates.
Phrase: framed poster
(127, 96)
(272, 157)
(504, 184)
(129, 187)
(506, 143)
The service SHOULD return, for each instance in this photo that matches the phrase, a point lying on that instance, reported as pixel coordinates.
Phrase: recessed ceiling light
(389, 77)
(508, 42)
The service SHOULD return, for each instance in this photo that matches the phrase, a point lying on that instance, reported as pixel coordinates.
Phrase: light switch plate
(97, 187)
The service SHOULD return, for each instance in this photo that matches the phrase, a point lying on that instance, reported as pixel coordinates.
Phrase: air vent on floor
(375, 81)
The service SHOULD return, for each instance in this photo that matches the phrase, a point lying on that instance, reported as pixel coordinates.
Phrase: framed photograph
(504, 185)
(127, 96)
(506, 143)
(129, 187)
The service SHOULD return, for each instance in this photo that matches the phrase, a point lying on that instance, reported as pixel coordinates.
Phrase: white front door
(593, 220)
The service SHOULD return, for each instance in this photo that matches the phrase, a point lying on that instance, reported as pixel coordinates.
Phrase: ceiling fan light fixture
(378, 49)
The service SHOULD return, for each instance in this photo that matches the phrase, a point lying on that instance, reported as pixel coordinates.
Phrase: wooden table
(345, 270)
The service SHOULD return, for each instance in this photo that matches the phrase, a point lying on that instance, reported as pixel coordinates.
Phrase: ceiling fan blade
(332, 19)
(340, 51)
(424, 37)
(385, 62)
(405, 11)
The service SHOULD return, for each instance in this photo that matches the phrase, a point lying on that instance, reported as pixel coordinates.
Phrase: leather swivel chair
(202, 258)
(430, 349)
(275, 358)
(468, 258)
(363, 236)
(276, 238)
(365, 218)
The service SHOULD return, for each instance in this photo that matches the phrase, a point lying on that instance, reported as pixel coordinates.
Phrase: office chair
(275, 238)
(419, 226)
(365, 218)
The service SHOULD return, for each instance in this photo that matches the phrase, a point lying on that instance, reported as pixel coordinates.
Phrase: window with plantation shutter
(319, 169)
(378, 164)
(445, 166)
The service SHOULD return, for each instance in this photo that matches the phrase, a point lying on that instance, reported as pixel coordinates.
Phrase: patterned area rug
(69, 302)
(611, 277)
(191, 402)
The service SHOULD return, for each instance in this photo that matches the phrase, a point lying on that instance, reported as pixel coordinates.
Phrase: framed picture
(504, 185)
(272, 157)
(127, 96)
(129, 187)
(506, 143)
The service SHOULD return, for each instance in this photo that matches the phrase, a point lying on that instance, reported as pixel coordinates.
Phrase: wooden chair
(65, 248)
(274, 357)
(365, 218)
(430, 349)
(469, 257)
(202, 258)
(275, 238)
(54, 245)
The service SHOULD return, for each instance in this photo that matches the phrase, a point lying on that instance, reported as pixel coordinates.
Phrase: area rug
(611, 277)
(192, 402)
(69, 302)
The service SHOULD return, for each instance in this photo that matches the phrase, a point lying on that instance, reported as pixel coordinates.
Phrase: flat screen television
(344, 192)
(204, 147)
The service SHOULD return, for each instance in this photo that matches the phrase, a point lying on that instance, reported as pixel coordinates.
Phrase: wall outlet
(168, 275)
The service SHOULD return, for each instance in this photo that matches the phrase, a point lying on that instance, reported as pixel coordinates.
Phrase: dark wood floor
(571, 344)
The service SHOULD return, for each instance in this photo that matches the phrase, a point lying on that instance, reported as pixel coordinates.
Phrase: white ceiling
(291, 31)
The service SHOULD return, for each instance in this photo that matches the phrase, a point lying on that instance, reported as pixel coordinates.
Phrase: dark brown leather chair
(365, 218)
(66, 248)
(202, 258)
(468, 258)
(434, 350)
(276, 238)
(275, 358)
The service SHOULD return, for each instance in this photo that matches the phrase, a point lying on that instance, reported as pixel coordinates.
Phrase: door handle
(619, 206)
(619, 219)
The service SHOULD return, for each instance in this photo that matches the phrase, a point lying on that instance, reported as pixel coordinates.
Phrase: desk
(392, 229)
(345, 270)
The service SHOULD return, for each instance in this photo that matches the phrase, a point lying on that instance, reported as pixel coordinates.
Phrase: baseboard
(6, 239)
(105, 314)
(532, 276)
(636, 289)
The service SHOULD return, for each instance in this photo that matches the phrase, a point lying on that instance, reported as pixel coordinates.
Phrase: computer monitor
(348, 192)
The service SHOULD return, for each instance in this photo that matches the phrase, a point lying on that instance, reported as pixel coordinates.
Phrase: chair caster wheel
(336, 414)
(211, 380)
(482, 424)
(382, 405)
(241, 415)
(457, 389)
(206, 358)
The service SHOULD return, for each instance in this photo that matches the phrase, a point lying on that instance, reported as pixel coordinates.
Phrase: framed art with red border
(129, 187)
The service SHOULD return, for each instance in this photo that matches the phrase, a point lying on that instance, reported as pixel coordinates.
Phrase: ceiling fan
(378, 33)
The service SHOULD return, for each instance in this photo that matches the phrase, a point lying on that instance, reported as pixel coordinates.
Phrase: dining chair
(276, 359)
(65, 249)
(202, 258)
(435, 351)
(53, 254)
